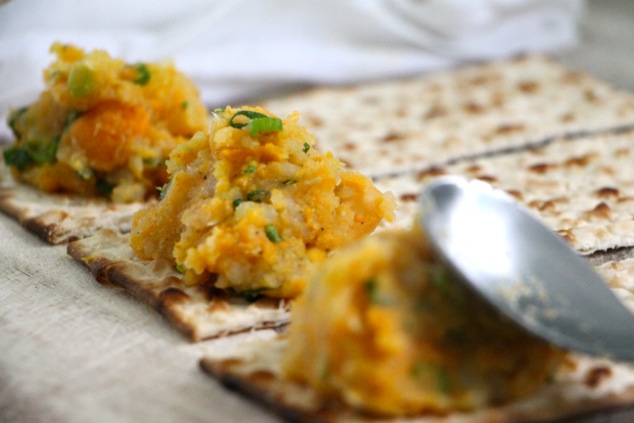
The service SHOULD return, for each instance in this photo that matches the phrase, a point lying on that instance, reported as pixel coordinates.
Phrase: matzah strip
(403, 125)
(583, 385)
(583, 189)
(58, 219)
(197, 311)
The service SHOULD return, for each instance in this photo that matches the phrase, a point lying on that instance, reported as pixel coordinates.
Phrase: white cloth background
(239, 49)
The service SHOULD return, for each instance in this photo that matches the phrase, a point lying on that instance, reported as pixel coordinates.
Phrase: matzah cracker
(583, 188)
(583, 385)
(58, 218)
(396, 126)
(197, 311)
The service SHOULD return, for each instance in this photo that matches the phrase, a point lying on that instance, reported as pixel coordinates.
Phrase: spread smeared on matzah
(402, 336)
(253, 206)
(103, 127)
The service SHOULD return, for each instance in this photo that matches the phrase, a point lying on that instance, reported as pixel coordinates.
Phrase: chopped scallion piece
(17, 157)
(31, 152)
(143, 74)
(264, 125)
(71, 117)
(271, 233)
(252, 295)
(306, 147)
(163, 190)
(81, 80)
(258, 195)
(237, 202)
(248, 114)
(371, 287)
(257, 124)
(249, 168)
(13, 120)
(104, 187)
(444, 382)
(289, 182)
(180, 268)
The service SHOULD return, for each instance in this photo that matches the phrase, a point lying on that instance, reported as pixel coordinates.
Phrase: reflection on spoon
(524, 269)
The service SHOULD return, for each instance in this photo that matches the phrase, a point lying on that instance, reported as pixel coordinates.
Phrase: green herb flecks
(371, 287)
(272, 233)
(184, 104)
(14, 117)
(104, 187)
(237, 202)
(257, 124)
(289, 182)
(258, 195)
(163, 190)
(81, 80)
(250, 168)
(180, 268)
(143, 74)
(71, 117)
(306, 147)
(33, 152)
(434, 373)
(252, 295)
(17, 157)
(444, 381)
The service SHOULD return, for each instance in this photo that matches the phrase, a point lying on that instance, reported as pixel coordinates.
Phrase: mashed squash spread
(383, 327)
(103, 127)
(253, 205)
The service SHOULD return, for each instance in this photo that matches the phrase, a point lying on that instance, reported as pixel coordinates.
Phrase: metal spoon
(524, 269)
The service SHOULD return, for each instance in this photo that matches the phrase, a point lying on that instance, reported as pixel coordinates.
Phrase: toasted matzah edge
(117, 272)
(266, 388)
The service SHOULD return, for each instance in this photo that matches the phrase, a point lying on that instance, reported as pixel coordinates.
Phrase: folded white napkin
(239, 49)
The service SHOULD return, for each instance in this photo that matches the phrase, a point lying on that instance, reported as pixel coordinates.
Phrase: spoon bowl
(524, 269)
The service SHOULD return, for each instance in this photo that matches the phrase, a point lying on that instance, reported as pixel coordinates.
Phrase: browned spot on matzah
(528, 87)
(607, 192)
(540, 168)
(515, 194)
(392, 136)
(408, 197)
(349, 146)
(266, 302)
(547, 205)
(596, 375)
(602, 210)
(429, 173)
(580, 161)
(261, 375)
(474, 168)
(435, 112)
(498, 99)
(315, 121)
(567, 118)
(567, 235)
(622, 152)
(572, 77)
(487, 178)
(218, 304)
(473, 108)
(591, 96)
(172, 296)
(509, 128)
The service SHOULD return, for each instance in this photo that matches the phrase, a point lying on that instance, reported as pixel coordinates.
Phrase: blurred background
(238, 50)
